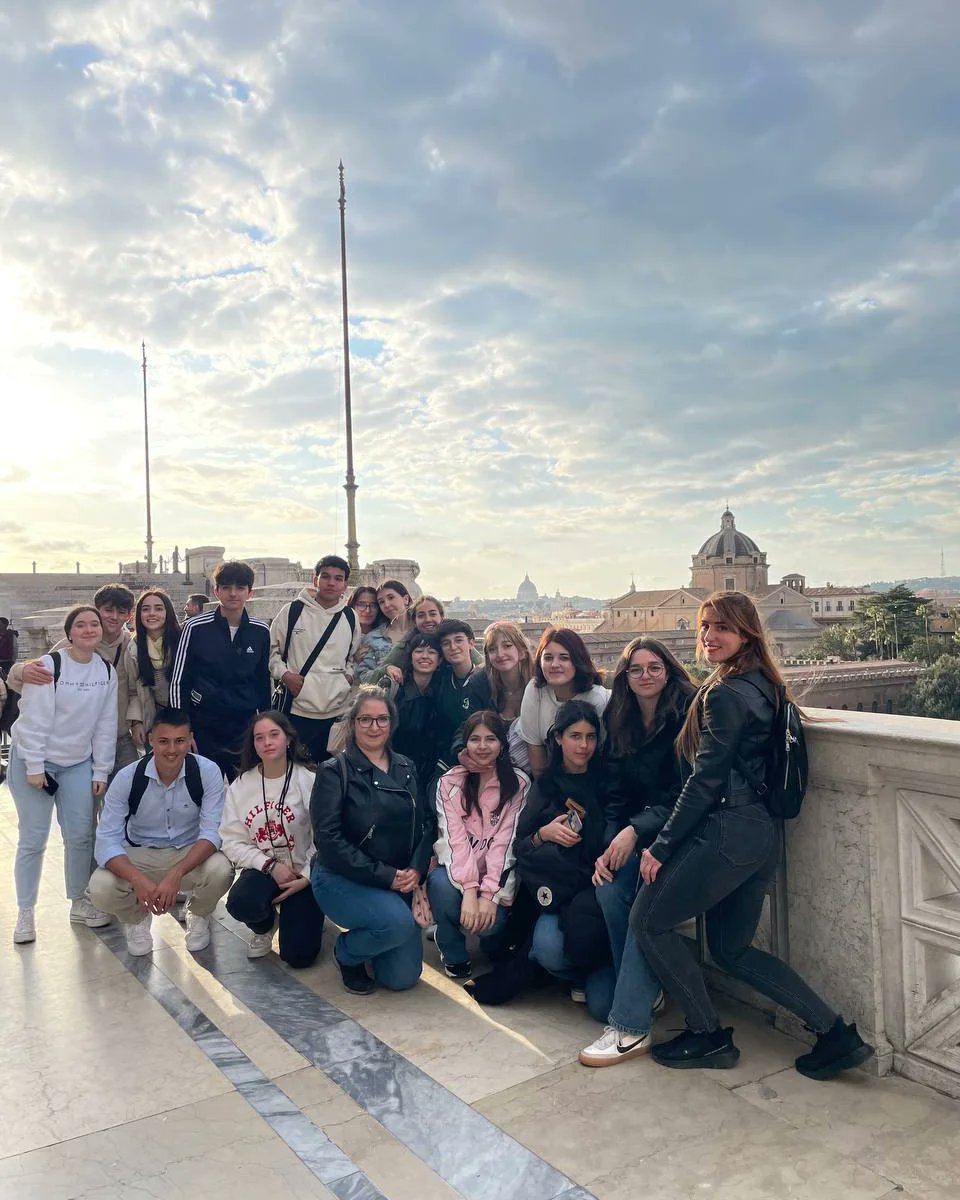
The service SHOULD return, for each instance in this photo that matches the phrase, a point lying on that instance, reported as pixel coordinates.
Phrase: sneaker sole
(23, 940)
(721, 1061)
(595, 1060)
(855, 1058)
(140, 951)
(259, 953)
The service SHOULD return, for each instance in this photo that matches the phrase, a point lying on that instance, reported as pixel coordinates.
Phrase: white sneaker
(82, 912)
(578, 995)
(198, 933)
(25, 929)
(260, 945)
(139, 936)
(179, 908)
(614, 1047)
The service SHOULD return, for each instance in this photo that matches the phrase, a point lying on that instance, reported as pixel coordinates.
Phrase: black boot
(355, 979)
(839, 1049)
(689, 1049)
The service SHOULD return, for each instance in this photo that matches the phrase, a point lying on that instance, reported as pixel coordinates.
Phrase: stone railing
(873, 886)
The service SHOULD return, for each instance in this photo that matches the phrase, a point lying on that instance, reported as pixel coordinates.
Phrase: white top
(251, 831)
(72, 721)
(538, 709)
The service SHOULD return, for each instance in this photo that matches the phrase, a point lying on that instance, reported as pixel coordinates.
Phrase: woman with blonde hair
(508, 668)
(717, 854)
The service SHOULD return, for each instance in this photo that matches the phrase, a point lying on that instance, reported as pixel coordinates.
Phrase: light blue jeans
(75, 808)
(547, 950)
(615, 900)
(379, 924)
(445, 901)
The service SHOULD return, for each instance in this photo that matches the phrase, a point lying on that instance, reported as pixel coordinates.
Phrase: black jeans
(250, 900)
(314, 735)
(723, 870)
(220, 748)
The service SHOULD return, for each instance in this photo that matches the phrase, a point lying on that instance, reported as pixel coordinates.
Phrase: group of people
(363, 759)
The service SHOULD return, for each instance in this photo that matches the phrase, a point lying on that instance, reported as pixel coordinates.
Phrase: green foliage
(836, 641)
(889, 623)
(937, 693)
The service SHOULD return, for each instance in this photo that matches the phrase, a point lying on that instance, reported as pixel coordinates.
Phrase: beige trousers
(206, 883)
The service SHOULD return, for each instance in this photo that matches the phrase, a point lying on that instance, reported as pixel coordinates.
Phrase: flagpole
(146, 461)
(350, 487)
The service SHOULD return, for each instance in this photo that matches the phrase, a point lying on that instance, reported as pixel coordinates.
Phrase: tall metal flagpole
(146, 461)
(350, 487)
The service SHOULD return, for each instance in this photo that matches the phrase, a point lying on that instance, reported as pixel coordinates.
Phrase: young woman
(649, 698)
(62, 751)
(473, 885)
(563, 671)
(427, 612)
(395, 603)
(500, 686)
(718, 852)
(148, 661)
(374, 835)
(416, 701)
(375, 644)
(559, 836)
(266, 832)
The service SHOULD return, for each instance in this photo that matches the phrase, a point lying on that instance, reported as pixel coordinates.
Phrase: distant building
(527, 591)
(831, 604)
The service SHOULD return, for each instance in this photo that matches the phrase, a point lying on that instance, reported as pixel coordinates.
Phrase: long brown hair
(739, 612)
(507, 778)
(510, 632)
(622, 717)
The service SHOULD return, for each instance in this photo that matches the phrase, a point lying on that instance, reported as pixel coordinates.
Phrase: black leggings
(250, 900)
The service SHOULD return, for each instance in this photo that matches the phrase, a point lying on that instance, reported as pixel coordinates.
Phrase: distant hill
(943, 583)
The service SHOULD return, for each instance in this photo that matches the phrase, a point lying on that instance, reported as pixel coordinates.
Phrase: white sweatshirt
(251, 831)
(67, 723)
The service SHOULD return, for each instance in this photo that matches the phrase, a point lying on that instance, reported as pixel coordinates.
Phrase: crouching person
(266, 833)
(160, 834)
(374, 835)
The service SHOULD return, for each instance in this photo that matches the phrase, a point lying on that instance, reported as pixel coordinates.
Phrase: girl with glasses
(374, 835)
(375, 642)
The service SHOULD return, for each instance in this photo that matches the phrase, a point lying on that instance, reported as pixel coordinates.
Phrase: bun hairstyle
(74, 613)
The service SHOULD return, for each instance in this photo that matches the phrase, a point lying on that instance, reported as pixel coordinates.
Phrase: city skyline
(607, 272)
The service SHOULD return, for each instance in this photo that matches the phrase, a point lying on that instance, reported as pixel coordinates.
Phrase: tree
(886, 624)
(836, 641)
(937, 692)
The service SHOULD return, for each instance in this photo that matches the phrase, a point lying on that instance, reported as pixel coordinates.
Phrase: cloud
(607, 272)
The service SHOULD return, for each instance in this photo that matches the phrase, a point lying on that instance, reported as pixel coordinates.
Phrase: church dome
(729, 542)
(527, 590)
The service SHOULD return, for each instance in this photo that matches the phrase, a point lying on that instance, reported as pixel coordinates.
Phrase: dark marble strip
(323, 1158)
(472, 1154)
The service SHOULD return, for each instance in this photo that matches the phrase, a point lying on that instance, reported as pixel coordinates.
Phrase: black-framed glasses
(368, 722)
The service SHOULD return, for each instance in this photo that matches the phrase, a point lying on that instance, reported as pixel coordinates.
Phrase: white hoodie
(326, 687)
(251, 831)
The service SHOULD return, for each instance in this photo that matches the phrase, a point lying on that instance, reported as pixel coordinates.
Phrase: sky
(611, 267)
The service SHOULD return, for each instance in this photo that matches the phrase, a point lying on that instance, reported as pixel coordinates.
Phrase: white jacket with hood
(326, 687)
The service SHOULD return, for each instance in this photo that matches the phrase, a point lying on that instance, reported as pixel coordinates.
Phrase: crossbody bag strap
(318, 648)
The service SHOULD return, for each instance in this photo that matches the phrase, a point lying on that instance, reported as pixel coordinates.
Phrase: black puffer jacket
(736, 721)
(376, 825)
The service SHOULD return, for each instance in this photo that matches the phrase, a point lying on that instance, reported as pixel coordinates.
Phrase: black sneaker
(839, 1049)
(460, 970)
(355, 979)
(691, 1049)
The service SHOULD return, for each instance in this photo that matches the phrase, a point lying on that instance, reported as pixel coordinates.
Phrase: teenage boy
(454, 698)
(221, 676)
(319, 683)
(160, 833)
(114, 603)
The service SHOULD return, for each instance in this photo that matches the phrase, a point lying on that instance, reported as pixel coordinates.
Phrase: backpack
(282, 700)
(785, 777)
(58, 666)
(138, 786)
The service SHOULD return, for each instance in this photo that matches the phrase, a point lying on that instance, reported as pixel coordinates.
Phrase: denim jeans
(723, 870)
(615, 900)
(74, 804)
(379, 924)
(445, 901)
(547, 950)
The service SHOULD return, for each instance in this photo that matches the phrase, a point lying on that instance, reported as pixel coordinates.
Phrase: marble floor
(208, 1075)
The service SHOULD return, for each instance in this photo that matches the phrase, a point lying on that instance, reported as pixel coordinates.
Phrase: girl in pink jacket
(477, 812)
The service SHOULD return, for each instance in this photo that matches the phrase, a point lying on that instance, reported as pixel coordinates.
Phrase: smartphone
(575, 815)
(51, 787)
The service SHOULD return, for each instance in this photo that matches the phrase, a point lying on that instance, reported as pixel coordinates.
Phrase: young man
(114, 603)
(221, 674)
(453, 695)
(320, 694)
(168, 840)
(194, 606)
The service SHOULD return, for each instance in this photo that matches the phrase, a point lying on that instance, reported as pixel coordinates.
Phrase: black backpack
(138, 785)
(58, 666)
(785, 778)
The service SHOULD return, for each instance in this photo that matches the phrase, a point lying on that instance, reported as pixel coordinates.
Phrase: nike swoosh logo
(626, 1049)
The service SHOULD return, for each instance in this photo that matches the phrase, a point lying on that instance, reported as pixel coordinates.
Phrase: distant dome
(527, 590)
(728, 542)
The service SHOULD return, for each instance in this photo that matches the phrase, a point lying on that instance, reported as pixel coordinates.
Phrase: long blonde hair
(739, 613)
(510, 632)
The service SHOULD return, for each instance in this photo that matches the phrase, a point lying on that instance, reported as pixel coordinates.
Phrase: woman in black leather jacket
(374, 835)
(718, 852)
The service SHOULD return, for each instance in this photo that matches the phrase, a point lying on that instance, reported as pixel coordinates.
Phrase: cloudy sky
(610, 264)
